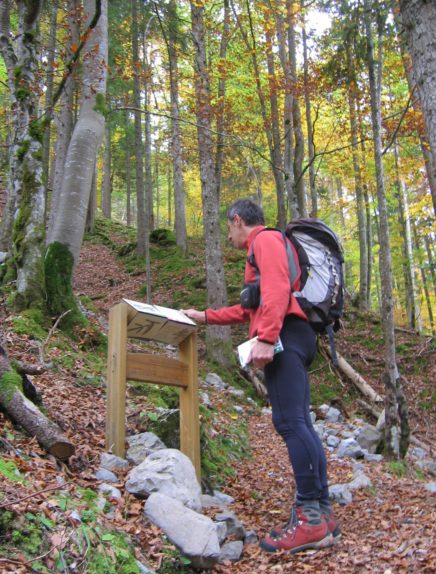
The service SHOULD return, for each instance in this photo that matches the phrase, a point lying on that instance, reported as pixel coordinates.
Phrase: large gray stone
(369, 438)
(215, 381)
(141, 445)
(350, 447)
(194, 535)
(167, 471)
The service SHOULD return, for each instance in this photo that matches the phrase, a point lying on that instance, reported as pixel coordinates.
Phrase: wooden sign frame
(123, 366)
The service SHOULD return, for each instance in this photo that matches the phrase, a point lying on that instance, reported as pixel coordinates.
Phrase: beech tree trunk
(218, 338)
(106, 185)
(357, 171)
(397, 427)
(23, 230)
(176, 144)
(419, 25)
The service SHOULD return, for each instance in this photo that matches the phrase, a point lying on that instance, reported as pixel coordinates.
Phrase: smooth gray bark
(69, 225)
(419, 24)
(218, 338)
(106, 184)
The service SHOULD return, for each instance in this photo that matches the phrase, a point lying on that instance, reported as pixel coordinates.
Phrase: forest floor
(389, 528)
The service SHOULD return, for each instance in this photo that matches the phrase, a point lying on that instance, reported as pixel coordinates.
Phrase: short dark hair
(248, 211)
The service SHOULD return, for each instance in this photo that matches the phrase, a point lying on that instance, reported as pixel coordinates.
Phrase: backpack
(320, 257)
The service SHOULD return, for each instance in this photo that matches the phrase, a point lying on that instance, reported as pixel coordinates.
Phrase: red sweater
(266, 321)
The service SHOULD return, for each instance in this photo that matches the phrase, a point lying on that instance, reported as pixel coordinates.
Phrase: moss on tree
(10, 383)
(58, 267)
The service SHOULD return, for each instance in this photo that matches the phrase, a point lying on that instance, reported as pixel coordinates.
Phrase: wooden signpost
(142, 321)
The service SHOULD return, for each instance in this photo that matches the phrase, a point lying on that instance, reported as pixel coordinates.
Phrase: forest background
(159, 114)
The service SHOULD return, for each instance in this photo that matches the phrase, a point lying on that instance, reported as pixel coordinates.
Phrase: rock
(373, 457)
(312, 416)
(205, 399)
(369, 438)
(427, 465)
(340, 493)
(167, 471)
(194, 535)
(238, 408)
(215, 381)
(223, 497)
(266, 411)
(251, 537)
(332, 441)
(209, 501)
(111, 462)
(333, 415)
(319, 429)
(350, 447)
(418, 452)
(360, 480)
(110, 491)
(236, 392)
(106, 475)
(3, 256)
(431, 487)
(231, 551)
(234, 525)
(221, 530)
(141, 445)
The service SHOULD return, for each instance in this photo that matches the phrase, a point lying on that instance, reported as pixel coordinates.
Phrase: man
(276, 314)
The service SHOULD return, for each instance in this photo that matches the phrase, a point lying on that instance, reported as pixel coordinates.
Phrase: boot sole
(324, 543)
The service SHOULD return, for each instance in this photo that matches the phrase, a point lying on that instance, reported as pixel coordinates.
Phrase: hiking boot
(332, 523)
(307, 530)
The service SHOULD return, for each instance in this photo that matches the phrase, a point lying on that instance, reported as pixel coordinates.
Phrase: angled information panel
(157, 323)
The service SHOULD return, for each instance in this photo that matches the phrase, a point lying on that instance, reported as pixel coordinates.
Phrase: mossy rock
(162, 236)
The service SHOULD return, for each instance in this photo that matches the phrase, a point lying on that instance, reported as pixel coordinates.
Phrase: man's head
(242, 216)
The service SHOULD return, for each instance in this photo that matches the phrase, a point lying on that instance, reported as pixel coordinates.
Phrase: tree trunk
(23, 229)
(288, 120)
(275, 162)
(26, 414)
(357, 170)
(218, 338)
(69, 225)
(412, 305)
(128, 164)
(419, 25)
(176, 144)
(309, 127)
(300, 191)
(142, 229)
(424, 280)
(65, 119)
(106, 185)
(397, 428)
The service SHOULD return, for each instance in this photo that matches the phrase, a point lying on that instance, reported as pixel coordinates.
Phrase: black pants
(289, 394)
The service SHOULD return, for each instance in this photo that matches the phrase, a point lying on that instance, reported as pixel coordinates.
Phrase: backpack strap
(293, 266)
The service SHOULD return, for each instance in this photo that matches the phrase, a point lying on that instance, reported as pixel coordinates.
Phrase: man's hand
(261, 354)
(199, 316)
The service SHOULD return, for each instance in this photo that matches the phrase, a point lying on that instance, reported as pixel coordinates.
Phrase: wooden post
(189, 409)
(116, 379)
(181, 372)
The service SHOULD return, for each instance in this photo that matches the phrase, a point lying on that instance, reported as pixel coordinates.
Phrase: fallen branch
(37, 493)
(249, 374)
(358, 381)
(27, 414)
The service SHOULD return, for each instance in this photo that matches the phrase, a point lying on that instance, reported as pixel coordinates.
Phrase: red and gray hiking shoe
(307, 530)
(330, 518)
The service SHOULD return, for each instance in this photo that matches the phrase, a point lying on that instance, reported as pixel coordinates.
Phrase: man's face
(236, 234)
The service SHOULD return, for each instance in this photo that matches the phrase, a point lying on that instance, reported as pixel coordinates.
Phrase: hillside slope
(387, 528)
